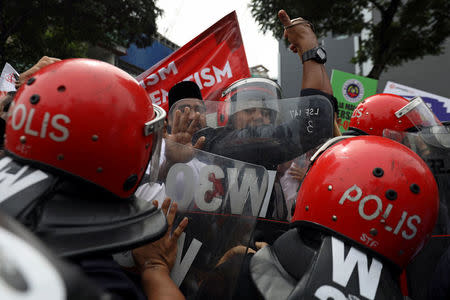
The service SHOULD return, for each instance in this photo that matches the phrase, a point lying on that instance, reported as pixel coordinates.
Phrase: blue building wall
(144, 58)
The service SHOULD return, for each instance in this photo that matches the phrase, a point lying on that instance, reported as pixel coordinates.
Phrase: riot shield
(262, 132)
(432, 145)
(221, 197)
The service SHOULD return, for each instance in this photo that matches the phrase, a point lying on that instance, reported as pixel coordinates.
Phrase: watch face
(321, 53)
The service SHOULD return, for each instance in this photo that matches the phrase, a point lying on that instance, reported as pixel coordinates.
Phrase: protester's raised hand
(299, 33)
(179, 146)
(162, 253)
(44, 61)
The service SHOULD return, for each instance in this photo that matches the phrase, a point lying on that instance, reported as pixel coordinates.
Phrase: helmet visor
(155, 127)
(419, 113)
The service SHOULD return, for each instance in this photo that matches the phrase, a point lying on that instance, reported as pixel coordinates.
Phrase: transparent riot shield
(262, 132)
(222, 198)
(432, 144)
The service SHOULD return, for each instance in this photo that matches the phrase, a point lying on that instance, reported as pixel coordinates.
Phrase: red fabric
(214, 59)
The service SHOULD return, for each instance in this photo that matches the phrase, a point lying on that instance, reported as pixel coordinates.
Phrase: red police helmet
(88, 119)
(377, 112)
(374, 192)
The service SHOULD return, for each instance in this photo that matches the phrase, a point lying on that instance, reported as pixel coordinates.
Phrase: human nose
(257, 114)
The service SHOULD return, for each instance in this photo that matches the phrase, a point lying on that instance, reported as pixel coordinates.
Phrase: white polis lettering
(10, 184)
(369, 277)
(412, 227)
(181, 267)
(58, 132)
(239, 194)
(19, 110)
(28, 130)
(358, 112)
(62, 129)
(354, 194)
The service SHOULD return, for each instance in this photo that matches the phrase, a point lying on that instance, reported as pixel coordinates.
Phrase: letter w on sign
(369, 276)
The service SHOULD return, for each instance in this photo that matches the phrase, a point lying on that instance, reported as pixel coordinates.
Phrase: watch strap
(312, 54)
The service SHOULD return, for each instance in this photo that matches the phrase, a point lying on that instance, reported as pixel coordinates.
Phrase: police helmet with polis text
(372, 191)
(377, 112)
(80, 135)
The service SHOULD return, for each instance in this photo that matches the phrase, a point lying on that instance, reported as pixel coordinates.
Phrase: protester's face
(252, 117)
(195, 106)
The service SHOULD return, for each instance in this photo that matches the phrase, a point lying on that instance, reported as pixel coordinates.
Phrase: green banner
(350, 89)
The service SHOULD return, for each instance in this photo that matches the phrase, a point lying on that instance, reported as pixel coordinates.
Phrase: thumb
(199, 143)
(284, 18)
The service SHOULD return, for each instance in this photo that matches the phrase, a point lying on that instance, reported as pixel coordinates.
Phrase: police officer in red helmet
(351, 235)
(79, 136)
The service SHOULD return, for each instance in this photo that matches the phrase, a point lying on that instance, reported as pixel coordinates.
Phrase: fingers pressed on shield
(184, 120)
(176, 121)
(180, 228)
(194, 124)
(171, 215)
(200, 142)
(165, 205)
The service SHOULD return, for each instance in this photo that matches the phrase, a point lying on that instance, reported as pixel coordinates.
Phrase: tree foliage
(30, 29)
(401, 30)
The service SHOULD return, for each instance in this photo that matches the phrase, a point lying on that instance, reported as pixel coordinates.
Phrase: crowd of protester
(85, 155)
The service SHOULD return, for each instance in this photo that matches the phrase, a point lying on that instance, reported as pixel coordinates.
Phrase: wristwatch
(317, 53)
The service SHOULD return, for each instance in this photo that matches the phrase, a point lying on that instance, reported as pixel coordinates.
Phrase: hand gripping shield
(222, 198)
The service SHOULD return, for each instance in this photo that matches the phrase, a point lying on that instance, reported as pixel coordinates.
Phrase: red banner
(214, 59)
